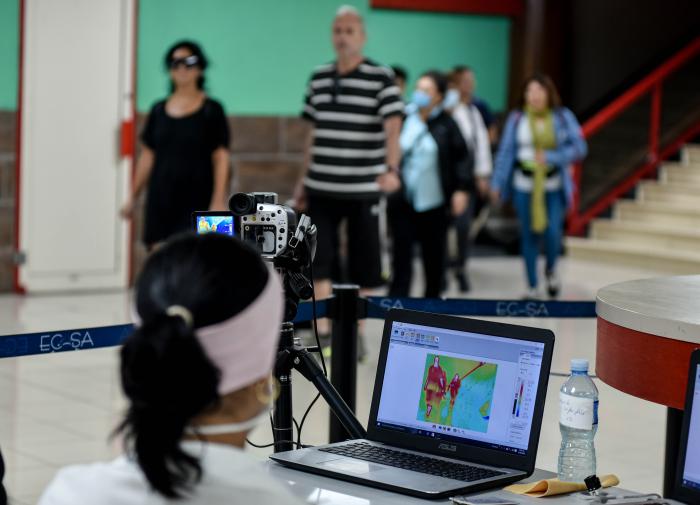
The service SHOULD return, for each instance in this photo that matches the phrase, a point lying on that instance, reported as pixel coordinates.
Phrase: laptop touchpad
(351, 466)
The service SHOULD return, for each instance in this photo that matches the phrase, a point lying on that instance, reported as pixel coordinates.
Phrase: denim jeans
(530, 241)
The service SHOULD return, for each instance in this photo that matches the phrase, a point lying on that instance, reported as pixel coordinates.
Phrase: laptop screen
(691, 467)
(460, 386)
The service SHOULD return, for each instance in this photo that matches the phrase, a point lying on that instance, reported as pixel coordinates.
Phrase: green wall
(9, 53)
(262, 51)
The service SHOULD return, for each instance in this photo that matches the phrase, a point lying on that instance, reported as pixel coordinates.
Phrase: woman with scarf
(196, 373)
(540, 142)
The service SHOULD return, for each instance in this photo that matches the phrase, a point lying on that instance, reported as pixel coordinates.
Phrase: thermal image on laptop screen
(215, 224)
(460, 386)
(691, 469)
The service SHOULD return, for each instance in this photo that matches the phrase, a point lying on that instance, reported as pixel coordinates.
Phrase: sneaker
(531, 294)
(553, 283)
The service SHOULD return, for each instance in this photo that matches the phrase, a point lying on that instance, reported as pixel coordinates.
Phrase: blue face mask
(451, 99)
(420, 99)
(435, 112)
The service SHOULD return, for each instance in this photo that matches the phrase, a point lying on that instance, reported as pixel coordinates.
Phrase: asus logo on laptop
(448, 447)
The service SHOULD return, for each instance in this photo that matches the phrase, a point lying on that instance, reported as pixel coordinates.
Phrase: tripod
(294, 265)
(290, 356)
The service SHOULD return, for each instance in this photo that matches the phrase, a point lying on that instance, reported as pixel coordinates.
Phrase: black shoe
(553, 284)
(463, 282)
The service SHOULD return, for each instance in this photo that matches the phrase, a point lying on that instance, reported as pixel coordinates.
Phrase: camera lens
(242, 204)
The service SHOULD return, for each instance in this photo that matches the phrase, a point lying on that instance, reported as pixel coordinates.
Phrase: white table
(315, 489)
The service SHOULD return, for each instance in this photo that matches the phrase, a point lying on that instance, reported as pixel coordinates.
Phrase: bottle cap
(579, 365)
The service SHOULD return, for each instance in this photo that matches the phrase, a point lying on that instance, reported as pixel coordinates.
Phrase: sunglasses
(188, 62)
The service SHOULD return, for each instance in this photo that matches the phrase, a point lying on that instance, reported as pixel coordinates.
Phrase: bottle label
(576, 412)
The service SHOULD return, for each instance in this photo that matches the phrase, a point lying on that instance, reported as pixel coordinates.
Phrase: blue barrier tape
(93, 338)
(378, 307)
(61, 341)
(305, 312)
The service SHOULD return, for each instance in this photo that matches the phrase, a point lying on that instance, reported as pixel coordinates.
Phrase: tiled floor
(60, 409)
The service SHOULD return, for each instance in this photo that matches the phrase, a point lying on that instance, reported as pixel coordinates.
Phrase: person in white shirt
(476, 135)
(196, 372)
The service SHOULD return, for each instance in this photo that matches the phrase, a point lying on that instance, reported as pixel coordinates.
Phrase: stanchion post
(345, 309)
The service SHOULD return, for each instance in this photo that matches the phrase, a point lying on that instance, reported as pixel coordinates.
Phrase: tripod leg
(308, 367)
(282, 422)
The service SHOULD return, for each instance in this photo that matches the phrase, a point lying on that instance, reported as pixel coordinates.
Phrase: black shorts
(363, 219)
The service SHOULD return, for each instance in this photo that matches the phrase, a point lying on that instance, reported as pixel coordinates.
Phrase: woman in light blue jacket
(540, 142)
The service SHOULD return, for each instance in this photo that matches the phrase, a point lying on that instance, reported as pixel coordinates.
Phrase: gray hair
(349, 10)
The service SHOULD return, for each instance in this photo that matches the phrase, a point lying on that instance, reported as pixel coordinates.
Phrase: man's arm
(390, 181)
(392, 129)
(299, 191)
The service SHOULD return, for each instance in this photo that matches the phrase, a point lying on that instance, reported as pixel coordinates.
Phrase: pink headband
(244, 347)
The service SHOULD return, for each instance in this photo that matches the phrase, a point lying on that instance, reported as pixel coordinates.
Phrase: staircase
(659, 229)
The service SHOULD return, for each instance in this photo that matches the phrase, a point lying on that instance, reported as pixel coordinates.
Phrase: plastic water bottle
(578, 422)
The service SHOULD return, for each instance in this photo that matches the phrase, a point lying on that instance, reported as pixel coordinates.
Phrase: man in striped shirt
(354, 110)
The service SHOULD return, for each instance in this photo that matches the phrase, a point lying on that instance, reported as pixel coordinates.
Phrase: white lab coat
(230, 476)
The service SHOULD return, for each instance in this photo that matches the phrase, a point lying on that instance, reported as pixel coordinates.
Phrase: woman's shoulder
(514, 115)
(95, 483)
(228, 469)
(158, 106)
(214, 105)
(565, 113)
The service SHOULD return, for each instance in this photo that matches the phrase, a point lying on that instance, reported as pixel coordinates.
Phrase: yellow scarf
(543, 137)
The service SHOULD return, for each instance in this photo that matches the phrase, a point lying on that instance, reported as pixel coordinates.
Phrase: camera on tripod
(289, 244)
(264, 223)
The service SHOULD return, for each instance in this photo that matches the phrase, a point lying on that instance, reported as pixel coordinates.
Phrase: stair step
(639, 256)
(691, 152)
(669, 187)
(657, 213)
(644, 234)
(685, 194)
(678, 173)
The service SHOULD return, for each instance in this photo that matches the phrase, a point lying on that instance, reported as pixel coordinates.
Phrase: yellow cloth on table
(552, 487)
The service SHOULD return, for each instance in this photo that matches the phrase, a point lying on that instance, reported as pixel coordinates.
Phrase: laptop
(457, 407)
(687, 485)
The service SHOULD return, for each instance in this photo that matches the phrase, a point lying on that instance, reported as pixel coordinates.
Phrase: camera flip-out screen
(214, 222)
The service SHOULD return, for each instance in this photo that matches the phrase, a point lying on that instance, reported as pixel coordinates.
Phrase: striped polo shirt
(348, 111)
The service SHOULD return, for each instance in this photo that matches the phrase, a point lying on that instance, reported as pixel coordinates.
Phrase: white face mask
(225, 429)
(239, 427)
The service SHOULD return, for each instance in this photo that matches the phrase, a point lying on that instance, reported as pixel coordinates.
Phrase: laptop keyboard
(414, 462)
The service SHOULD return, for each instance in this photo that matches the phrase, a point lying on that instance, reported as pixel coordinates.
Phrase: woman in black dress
(184, 161)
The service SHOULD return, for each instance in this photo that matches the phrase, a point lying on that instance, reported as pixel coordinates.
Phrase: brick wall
(7, 196)
(266, 156)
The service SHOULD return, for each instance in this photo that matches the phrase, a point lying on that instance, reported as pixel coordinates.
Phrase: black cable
(318, 343)
(315, 319)
(272, 425)
(303, 419)
(298, 445)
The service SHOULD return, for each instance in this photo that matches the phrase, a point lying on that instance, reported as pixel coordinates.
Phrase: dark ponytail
(165, 373)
